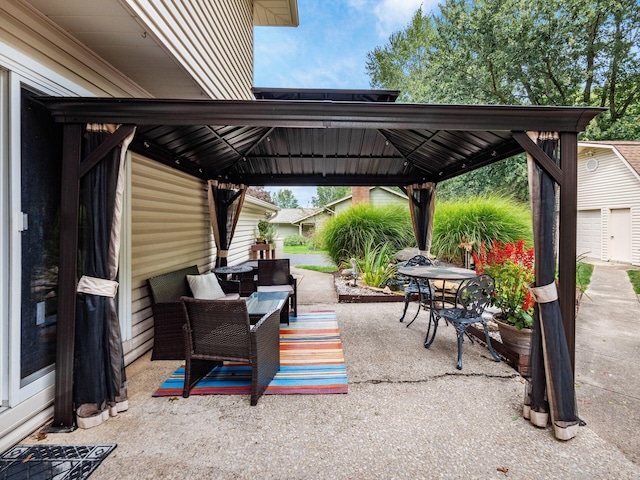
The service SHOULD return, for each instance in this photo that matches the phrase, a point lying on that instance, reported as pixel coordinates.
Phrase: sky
(328, 49)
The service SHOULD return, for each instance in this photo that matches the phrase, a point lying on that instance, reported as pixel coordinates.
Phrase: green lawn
(634, 276)
(319, 268)
(292, 249)
(583, 275)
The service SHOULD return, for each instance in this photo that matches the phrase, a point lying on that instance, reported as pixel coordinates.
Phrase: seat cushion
(276, 288)
(205, 287)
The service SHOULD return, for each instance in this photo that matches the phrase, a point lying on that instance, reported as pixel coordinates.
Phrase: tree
(552, 52)
(285, 199)
(326, 195)
(261, 193)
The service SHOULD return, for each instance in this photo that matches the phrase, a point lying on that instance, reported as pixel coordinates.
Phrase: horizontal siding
(212, 40)
(612, 185)
(635, 235)
(170, 229)
(379, 198)
(284, 230)
(25, 30)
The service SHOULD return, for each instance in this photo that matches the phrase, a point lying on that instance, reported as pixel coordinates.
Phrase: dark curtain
(225, 205)
(422, 205)
(550, 389)
(99, 385)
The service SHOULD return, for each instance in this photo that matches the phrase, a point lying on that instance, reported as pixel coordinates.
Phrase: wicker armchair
(275, 276)
(168, 312)
(218, 330)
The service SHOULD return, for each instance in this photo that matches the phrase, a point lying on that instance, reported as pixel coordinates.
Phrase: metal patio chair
(414, 286)
(472, 298)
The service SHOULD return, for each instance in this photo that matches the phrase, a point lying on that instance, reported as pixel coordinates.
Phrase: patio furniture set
(457, 295)
(204, 320)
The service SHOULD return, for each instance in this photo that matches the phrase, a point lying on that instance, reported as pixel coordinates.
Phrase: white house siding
(284, 230)
(245, 235)
(35, 53)
(610, 186)
(42, 53)
(169, 229)
(213, 41)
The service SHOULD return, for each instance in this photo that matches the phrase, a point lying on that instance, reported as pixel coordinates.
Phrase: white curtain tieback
(98, 286)
(544, 294)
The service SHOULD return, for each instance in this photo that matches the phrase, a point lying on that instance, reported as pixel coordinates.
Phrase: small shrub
(478, 219)
(346, 235)
(376, 266)
(295, 240)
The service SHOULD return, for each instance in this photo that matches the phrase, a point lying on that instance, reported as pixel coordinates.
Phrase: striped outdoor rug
(311, 362)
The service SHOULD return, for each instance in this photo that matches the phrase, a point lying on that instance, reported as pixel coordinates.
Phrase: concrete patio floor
(408, 414)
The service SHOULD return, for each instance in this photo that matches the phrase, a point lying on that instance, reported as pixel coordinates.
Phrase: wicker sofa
(168, 311)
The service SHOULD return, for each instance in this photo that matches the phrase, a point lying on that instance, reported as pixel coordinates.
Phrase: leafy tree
(551, 52)
(326, 195)
(260, 192)
(285, 199)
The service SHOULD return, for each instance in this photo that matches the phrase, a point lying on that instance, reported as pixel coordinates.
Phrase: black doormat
(46, 462)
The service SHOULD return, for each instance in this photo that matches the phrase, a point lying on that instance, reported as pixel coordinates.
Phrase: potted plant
(266, 232)
(512, 267)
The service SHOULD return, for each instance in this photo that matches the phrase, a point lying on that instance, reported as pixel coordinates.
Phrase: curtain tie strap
(98, 286)
(544, 294)
(222, 253)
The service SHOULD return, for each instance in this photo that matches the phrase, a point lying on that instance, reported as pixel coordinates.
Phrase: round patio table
(232, 270)
(432, 273)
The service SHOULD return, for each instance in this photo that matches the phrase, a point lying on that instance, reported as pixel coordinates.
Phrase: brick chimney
(359, 195)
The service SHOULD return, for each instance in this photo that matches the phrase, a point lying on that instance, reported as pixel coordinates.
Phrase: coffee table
(260, 303)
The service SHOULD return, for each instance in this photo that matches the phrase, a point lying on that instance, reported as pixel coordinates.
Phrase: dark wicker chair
(472, 298)
(413, 286)
(168, 312)
(275, 276)
(218, 330)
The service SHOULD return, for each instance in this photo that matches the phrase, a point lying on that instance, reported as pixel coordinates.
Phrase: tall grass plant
(477, 220)
(347, 234)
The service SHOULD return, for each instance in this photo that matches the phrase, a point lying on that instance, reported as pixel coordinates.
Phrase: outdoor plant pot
(516, 340)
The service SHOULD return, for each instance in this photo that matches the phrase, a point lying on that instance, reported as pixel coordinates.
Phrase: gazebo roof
(321, 142)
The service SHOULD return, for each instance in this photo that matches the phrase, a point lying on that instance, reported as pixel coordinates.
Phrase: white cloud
(394, 15)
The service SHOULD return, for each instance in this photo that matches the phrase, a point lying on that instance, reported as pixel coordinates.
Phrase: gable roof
(292, 215)
(627, 150)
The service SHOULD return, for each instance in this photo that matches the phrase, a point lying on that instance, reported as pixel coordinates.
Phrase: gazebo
(337, 137)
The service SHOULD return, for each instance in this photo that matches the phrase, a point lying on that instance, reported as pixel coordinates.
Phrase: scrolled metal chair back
(475, 295)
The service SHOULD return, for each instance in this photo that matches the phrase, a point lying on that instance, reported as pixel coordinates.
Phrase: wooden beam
(63, 419)
(539, 155)
(109, 144)
(568, 233)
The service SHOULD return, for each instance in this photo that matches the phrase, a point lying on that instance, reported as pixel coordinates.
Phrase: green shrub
(478, 219)
(346, 235)
(295, 240)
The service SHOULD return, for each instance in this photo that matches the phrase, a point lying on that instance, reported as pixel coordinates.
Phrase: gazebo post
(568, 233)
(67, 279)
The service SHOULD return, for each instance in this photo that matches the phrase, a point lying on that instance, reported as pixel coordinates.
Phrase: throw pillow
(205, 287)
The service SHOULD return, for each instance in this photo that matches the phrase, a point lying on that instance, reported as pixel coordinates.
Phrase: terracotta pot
(516, 340)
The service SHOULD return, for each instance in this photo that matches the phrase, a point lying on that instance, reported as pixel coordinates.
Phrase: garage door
(589, 241)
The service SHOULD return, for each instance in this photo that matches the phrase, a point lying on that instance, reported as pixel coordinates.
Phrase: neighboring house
(295, 221)
(376, 196)
(305, 221)
(608, 219)
(113, 48)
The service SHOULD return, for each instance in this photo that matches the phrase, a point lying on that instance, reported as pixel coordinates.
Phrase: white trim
(4, 238)
(18, 422)
(614, 150)
(124, 272)
(15, 257)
